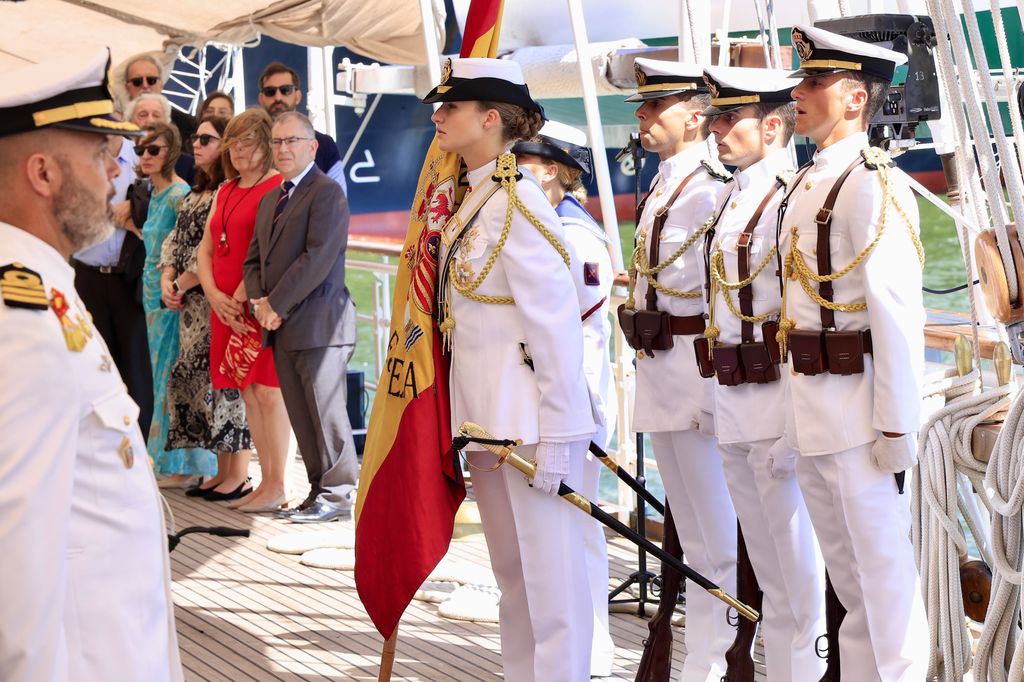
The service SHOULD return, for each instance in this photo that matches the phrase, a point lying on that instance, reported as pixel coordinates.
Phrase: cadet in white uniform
(83, 551)
(559, 158)
(852, 391)
(752, 120)
(511, 316)
(673, 402)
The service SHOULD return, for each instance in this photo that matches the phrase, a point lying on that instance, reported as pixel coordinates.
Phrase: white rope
(1004, 493)
(1008, 82)
(938, 539)
(1010, 170)
(979, 127)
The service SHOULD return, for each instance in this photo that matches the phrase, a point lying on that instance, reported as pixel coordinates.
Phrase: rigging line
(951, 290)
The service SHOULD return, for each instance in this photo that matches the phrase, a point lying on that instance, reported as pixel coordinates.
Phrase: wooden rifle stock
(656, 662)
(835, 612)
(739, 659)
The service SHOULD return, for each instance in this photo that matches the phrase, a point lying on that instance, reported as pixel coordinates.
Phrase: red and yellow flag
(411, 485)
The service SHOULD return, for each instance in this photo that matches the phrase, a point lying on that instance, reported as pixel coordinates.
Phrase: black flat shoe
(199, 491)
(214, 496)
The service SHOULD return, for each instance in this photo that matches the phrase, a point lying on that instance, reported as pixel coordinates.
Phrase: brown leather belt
(687, 325)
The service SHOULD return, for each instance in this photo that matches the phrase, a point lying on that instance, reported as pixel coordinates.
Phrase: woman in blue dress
(158, 151)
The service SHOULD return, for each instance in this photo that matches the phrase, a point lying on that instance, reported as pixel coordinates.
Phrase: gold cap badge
(804, 47)
(446, 70)
(641, 77)
(711, 86)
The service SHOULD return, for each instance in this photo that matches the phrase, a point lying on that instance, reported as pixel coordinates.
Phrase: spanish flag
(411, 484)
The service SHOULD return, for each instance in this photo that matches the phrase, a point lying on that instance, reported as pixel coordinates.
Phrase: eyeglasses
(271, 90)
(243, 143)
(203, 139)
(151, 149)
(286, 141)
(150, 80)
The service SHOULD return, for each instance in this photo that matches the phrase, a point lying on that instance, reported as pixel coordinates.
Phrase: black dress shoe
(318, 512)
(240, 491)
(303, 506)
(199, 491)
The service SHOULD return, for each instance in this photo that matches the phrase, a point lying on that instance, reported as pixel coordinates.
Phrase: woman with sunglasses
(200, 417)
(158, 151)
(237, 357)
(510, 312)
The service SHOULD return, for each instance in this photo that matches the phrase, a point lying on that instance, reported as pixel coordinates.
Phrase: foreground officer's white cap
(559, 142)
(68, 92)
(483, 79)
(656, 78)
(822, 51)
(733, 87)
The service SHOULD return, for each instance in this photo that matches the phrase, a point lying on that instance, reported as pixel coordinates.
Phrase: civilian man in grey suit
(295, 279)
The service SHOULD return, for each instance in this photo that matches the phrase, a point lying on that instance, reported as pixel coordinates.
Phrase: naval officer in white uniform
(673, 402)
(856, 354)
(559, 159)
(752, 120)
(511, 317)
(85, 591)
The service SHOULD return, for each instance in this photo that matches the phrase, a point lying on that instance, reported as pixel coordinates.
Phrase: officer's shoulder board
(786, 177)
(21, 287)
(875, 158)
(716, 170)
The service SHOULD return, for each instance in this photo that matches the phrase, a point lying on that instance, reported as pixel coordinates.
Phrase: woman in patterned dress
(158, 151)
(200, 415)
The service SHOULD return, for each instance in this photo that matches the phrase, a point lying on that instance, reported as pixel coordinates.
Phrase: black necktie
(282, 201)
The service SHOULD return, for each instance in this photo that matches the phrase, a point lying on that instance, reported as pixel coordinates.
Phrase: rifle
(738, 659)
(835, 612)
(656, 662)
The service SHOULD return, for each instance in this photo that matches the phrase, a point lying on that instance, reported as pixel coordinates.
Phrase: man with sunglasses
(279, 91)
(143, 73)
(85, 593)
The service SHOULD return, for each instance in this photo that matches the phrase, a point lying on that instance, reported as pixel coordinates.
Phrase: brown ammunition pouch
(728, 367)
(827, 350)
(652, 329)
(702, 347)
(757, 363)
(835, 352)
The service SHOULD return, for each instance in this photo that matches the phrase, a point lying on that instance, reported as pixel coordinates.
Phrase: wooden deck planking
(244, 612)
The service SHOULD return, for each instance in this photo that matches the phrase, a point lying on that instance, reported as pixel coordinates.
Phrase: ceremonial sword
(470, 432)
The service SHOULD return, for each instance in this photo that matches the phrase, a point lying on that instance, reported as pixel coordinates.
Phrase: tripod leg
(656, 662)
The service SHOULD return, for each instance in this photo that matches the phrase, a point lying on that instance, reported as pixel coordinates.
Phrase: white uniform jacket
(749, 412)
(670, 393)
(85, 593)
(592, 273)
(828, 413)
(491, 384)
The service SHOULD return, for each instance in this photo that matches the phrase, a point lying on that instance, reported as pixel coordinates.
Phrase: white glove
(552, 466)
(893, 455)
(781, 459)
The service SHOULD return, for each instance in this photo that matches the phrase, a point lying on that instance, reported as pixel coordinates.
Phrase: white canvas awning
(383, 30)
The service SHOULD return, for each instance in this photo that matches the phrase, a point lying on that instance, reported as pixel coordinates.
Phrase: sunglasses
(150, 80)
(151, 149)
(271, 90)
(203, 139)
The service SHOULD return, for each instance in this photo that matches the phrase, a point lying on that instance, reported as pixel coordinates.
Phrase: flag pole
(387, 657)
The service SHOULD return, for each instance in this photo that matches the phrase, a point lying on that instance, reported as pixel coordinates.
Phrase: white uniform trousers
(545, 614)
(783, 551)
(596, 548)
(691, 469)
(863, 527)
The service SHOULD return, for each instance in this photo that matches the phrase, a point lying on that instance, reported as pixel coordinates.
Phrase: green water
(944, 268)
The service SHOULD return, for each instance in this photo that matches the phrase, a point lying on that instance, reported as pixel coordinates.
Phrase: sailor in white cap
(510, 314)
(852, 322)
(83, 551)
(662, 318)
(752, 118)
(559, 159)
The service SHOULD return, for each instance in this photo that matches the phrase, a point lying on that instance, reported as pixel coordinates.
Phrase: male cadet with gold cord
(662, 317)
(852, 322)
(752, 119)
(85, 588)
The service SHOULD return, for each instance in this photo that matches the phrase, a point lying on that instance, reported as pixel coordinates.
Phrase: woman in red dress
(237, 358)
